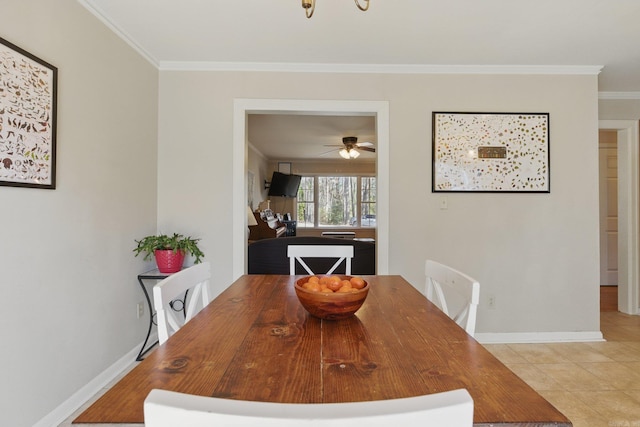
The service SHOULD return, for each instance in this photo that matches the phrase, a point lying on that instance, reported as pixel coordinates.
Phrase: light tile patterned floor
(593, 384)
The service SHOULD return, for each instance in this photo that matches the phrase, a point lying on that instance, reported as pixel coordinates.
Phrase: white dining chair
(297, 254)
(194, 279)
(164, 408)
(454, 292)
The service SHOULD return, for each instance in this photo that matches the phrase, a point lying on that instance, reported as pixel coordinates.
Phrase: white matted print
(27, 119)
(490, 152)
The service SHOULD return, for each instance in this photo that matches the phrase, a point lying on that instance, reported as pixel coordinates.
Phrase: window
(368, 202)
(306, 206)
(337, 201)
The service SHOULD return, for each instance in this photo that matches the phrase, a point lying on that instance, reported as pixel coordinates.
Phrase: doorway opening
(608, 192)
(245, 107)
(628, 158)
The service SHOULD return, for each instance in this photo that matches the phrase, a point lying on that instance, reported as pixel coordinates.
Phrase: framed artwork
(490, 152)
(284, 167)
(28, 88)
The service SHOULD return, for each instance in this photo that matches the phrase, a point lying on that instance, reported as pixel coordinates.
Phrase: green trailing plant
(149, 244)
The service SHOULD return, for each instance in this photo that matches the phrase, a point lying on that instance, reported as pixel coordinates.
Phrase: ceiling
(294, 137)
(471, 36)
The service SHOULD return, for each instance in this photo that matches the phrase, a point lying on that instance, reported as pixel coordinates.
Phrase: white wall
(67, 271)
(536, 253)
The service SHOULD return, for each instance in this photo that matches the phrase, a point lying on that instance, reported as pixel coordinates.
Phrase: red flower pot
(169, 261)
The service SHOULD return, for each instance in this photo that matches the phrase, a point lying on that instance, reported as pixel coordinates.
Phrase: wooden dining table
(256, 342)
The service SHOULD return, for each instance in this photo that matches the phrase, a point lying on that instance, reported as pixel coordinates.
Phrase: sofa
(269, 256)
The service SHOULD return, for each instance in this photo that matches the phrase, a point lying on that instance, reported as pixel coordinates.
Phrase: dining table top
(256, 342)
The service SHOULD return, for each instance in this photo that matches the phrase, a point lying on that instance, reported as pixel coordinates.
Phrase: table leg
(144, 351)
(181, 308)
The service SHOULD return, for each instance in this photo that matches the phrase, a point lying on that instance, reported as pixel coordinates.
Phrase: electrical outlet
(491, 302)
(140, 308)
(444, 204)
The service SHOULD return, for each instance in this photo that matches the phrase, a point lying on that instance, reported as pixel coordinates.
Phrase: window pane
(368, 206)
(337, 200)
(368, 189)
(306, 203)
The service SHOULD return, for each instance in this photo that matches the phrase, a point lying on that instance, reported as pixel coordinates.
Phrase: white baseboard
(69, 406)
(538, 337)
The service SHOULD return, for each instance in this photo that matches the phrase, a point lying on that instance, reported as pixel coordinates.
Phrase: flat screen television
(283, 185)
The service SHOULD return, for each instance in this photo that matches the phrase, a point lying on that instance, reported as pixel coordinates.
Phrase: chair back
(169, 409)
(193, 283)
(297, 253)
(455, 293)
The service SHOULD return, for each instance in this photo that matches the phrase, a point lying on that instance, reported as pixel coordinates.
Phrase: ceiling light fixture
(310, 6)
(349, 153)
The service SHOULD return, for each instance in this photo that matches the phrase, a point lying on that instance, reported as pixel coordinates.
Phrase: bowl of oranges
(331, 297)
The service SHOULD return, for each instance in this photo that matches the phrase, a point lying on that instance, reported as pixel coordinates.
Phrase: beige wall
(536, 253)
(260, 171)
(68, 275)
(619, 109)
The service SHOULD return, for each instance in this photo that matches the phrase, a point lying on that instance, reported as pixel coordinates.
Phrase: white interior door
(608, 209)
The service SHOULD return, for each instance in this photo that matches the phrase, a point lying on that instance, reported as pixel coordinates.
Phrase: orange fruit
(357, 282)
(334, 285)
(314, 287)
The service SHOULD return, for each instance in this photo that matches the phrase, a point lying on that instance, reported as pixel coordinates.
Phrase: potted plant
(169, 251)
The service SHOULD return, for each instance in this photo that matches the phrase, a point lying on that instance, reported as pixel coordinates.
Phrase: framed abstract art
(490, 152)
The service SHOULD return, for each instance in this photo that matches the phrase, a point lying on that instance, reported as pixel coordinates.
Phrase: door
(608, 209)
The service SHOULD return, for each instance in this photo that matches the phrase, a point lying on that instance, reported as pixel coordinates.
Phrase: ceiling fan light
(309, 7)
(344, 153)
(354, 153)
(363, 8)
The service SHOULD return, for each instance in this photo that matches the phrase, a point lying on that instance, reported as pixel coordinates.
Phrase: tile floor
(594, 384)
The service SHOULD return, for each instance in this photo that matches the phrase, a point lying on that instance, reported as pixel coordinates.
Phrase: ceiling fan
(350, 147)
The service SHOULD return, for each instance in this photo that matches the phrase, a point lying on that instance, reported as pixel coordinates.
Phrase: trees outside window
(368, 202)
(306, 206)
(337, 201)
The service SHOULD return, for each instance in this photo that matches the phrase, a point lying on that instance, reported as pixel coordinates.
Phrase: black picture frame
(490, 152)
(28, 113)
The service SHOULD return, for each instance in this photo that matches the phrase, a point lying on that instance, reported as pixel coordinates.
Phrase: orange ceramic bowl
(331, 306)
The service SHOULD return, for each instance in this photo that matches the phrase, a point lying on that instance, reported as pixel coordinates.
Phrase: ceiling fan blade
(365, 144)
(327, 152)
(373, 150)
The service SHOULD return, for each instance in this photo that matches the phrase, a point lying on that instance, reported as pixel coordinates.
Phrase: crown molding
(378, 68)
(98, 13)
